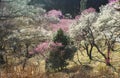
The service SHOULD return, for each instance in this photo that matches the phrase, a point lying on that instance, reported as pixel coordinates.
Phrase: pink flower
(62, 24)
(31, 52)
(45, 47)
(42, 47)
(89, 10)
(113, 1)
(77, 17)
(53, 44)
(54, 13)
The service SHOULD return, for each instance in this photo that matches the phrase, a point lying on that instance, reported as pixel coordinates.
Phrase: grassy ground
(35, 68)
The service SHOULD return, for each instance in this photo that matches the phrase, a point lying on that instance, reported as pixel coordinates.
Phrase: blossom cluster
(45, 47)
(62, 24)
(54, 13)
(110, 1)
(89, 10)
(58, 20)
(107, 23)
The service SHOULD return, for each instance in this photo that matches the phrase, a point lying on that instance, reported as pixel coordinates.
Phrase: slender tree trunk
(108, 57)
(78, 58)
(2, 61)
(90, 53)
(26, 56)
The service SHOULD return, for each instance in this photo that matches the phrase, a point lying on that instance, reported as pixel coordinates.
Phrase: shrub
(61, 37)
(58, 56)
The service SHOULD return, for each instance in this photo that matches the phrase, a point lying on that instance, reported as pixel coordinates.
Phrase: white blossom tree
(21, 26)
(99, 30)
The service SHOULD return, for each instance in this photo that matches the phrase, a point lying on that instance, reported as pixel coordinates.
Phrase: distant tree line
(72, 6)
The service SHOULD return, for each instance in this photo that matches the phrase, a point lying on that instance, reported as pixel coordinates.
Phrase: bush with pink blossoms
(62, 24)
(77, 17)
(44, 47)
(54, 13)
(55, 44)
(113, 1)
(89, 10)
(57, 20)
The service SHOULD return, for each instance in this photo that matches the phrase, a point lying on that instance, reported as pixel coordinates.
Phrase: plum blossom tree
(19, 27)
(83, 31)
(44, 48)
(58, 20)
(89, 10)
(113, 1)
(109, 27)
(62, 24)
(94, 28)
(55, 13)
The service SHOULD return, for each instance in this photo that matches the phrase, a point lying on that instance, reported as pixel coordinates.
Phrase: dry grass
(84, 71)
(18, 72)
(94, 69)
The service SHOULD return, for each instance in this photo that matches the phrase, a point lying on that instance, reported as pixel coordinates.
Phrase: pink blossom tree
(113, 1)
(62, 23)
(44, 48)
(89, 10)
(54, 13)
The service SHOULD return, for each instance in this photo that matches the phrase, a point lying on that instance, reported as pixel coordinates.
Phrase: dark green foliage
(61, 38)
(2, 61)
(85, 4)
(96, 4)
(58, 56)
(56, 60)
(72, 6)
(69, 52)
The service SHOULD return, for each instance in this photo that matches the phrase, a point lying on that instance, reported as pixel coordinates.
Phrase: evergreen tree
(61, 37)
(58, 56)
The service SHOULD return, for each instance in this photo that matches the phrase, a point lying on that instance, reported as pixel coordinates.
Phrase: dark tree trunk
(89, 51)
(2, 61)
(90, 55)
(108, 57)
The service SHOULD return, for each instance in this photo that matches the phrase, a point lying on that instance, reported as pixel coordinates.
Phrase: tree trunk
(108, 57)
(2, 61)
(90, 53)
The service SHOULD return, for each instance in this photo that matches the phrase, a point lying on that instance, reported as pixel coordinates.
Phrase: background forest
(59, 39)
